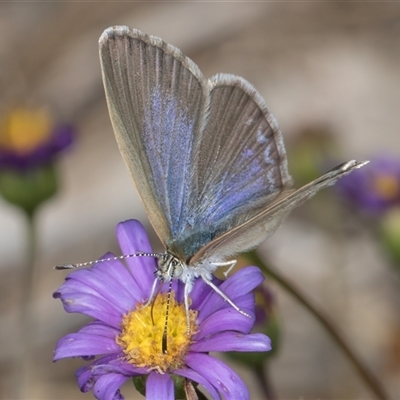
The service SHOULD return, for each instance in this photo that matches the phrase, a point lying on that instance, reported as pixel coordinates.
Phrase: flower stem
(200, 395)
(370, 380)
(261, 373)
(25, 324)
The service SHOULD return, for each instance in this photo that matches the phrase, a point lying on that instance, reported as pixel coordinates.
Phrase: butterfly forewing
(156, 102)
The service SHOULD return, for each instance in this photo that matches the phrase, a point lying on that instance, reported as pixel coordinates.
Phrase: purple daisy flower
(374, 188)
(125, 338)
(28, 139)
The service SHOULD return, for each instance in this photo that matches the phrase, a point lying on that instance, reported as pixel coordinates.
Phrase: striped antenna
(165, 333)
(87, 263)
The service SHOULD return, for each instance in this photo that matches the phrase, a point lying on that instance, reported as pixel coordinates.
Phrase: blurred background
(330, 73)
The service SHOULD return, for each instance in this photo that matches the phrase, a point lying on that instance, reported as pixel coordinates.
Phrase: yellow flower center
(23, 130)
(387, 186)
(142, 334)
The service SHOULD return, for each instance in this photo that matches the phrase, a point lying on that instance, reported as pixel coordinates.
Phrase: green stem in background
(28, 278)
(262, 376)
(368, 378)
(25, 323)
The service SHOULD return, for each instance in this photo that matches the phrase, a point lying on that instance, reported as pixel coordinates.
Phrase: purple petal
(223, 378)
(132, 238)
(84, 379)
(108, 288)
(118, 366)
(81, 344)
(43, 154)
(236, 287)
(194, 376)
(62, 137)
(201, 291)
(89, 374)
(361, 189)
(233, 341)
(92, 306)
(71, 285)
(225, 320)
(107, 387)
(84, 374)
(245, 303)
(117, 271)
(159, 386)
(99, 329)
(242, 282)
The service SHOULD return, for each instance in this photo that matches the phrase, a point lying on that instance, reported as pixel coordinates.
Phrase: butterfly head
(169, 267)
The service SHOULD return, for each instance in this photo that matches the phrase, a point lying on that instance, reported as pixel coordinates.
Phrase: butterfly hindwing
(240, 165)
(255, 230)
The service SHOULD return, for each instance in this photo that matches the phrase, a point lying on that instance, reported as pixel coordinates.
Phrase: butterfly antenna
(87, 263)
(165, 333)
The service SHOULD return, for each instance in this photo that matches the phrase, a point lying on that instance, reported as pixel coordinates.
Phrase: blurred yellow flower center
(387, 186)
(142, 334)
(23, 130)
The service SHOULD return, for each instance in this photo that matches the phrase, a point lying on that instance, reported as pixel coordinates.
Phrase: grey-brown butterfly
(206, 155)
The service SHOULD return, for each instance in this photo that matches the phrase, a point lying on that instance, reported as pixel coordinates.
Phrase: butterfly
(206, 155)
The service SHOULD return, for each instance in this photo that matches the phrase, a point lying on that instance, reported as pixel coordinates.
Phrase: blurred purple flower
(265, 302)
(28, 139)
(374, 188)
(126, 337)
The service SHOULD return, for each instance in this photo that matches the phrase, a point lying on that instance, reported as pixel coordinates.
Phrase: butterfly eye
(177, 268)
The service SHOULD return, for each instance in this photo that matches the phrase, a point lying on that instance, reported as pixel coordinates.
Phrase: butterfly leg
(230, 264)
(224, 296)
(188, 288)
